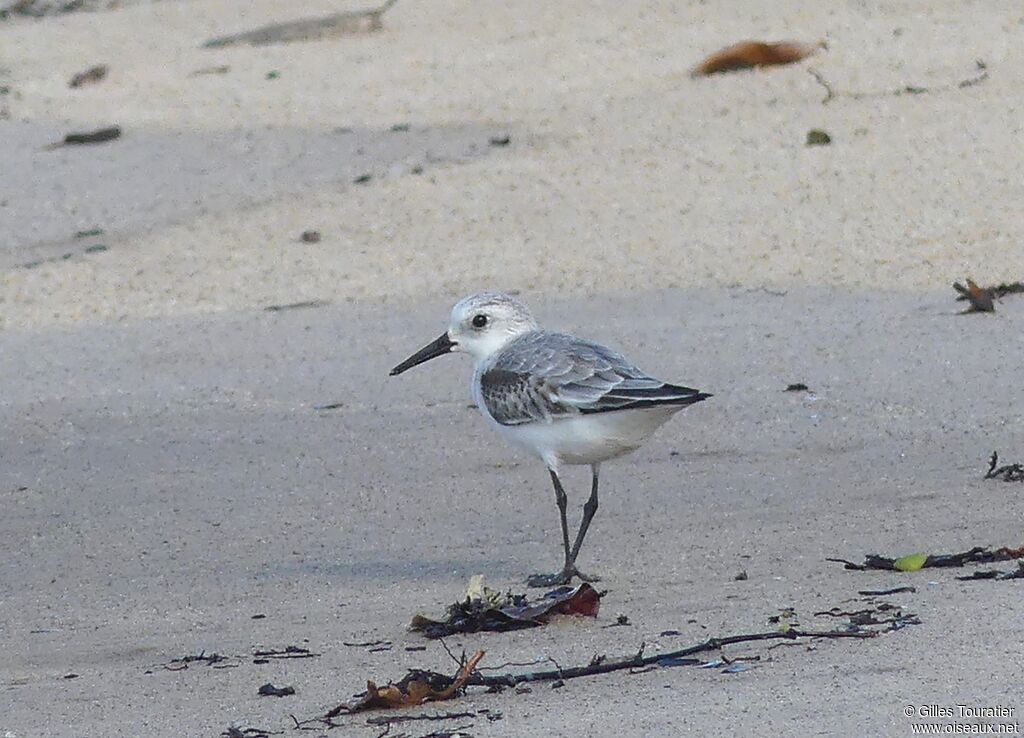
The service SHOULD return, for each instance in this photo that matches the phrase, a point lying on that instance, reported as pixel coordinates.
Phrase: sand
(165, 475)
(618, 158)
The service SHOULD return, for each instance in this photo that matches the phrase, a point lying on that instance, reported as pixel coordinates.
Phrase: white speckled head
(480, 325)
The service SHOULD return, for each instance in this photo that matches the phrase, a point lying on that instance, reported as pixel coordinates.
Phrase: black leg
(562, 501)
(569, 570)
(588, 514)
(564, 576)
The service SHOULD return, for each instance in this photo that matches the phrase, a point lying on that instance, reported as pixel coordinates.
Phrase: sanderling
(561, 398)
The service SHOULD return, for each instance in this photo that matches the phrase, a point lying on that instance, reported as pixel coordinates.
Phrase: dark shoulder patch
(514, 398)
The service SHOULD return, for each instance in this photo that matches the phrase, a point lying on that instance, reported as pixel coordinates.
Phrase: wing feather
(544, 376)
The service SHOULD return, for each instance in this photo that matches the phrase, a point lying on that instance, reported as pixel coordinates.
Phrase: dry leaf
(748, 54)
(980, 299)
(490, 611)
(415, 688)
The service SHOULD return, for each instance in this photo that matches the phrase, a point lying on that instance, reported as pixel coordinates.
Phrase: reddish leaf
(472, 615)
(748, 54)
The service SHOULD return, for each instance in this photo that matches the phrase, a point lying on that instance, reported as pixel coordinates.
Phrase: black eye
(479, 321)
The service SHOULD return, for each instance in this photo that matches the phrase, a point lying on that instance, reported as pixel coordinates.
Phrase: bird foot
(559, 579)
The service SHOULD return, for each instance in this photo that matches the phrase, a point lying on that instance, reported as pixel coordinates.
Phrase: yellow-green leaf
(911, 563)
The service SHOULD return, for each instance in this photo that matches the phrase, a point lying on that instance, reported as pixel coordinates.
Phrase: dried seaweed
(90, 76)
(976, 555)
(885, 592)
(987, 294)
(1008, 472)
(296, 306)
(890, 616)
(389, 719)
(1004, 288)
(100, 135)
(216, 660)
(1017, 573)
(365, 644)
(509, 612)
(289, 652)
(235, 732)
(415, 688)
(980, 298)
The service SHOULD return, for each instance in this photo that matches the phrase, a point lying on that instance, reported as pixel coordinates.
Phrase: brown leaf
(748, 54)
(415, 688)
(980, 299)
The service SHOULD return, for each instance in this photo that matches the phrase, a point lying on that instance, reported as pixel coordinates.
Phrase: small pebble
(818, 137)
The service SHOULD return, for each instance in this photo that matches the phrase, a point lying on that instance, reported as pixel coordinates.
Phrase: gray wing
(541, 376)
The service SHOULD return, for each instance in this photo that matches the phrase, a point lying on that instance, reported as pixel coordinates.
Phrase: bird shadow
(397, 569)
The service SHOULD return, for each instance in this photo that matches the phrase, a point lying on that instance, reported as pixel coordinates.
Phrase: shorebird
(563, 399)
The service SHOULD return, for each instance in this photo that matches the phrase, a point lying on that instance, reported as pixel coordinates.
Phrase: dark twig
(978, 78)
(365, 644)
(835, 612)
(439, 686)
(829, 94)
(1007, 472)
(235, 732)
(215, 660)
(315, 723)
(295, 306)
(884, 592)
(100, 135)
(873, 616)
(388, 719)
(1006, 288)
(333, 406)
(459, 731)
(507, 664)
(289, 652)
(458, 662)
(604, 665)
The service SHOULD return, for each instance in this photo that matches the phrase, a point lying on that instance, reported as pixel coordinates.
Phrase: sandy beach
(167, 336)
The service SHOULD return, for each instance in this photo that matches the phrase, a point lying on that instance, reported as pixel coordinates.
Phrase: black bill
(431, 351)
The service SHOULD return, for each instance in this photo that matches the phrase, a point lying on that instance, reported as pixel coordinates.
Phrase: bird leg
(569, 570)
(588, 514)
(562, 500)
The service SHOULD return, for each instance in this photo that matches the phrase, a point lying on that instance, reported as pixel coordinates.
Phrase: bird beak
(432, 350)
